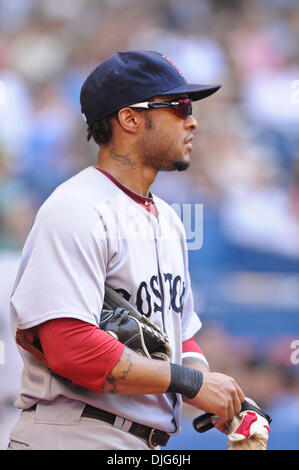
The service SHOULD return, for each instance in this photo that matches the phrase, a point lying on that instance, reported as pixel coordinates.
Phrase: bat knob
(203, 422)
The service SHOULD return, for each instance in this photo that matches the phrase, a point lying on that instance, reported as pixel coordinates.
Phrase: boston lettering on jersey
(149, 297)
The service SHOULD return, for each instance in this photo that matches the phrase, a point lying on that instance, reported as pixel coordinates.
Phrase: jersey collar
(146, 202)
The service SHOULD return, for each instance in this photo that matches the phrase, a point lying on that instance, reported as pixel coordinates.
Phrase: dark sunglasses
(182, 107)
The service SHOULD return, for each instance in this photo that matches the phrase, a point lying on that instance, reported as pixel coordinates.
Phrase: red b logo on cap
(171, 61)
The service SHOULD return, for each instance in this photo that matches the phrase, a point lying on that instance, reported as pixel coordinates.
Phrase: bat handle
(203, 422)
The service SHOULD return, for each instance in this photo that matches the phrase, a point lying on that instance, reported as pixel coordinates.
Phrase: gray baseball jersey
(88, 233)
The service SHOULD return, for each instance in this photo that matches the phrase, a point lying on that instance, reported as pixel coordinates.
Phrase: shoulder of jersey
(76, 191)
(83, 186)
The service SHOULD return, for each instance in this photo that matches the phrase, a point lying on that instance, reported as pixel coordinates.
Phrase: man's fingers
(223, 415)
(230, 411)
(237, 404)
(222, 428)
(240, 393)
(233, 407)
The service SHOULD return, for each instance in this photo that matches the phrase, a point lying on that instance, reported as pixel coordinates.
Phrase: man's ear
(129, 120)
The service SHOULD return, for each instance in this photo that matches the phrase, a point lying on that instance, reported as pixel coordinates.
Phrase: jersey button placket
(158, 235)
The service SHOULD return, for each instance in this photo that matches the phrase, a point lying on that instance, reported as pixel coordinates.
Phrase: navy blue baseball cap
(129, 77)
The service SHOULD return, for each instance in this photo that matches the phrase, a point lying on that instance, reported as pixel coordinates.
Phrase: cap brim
(195, 92)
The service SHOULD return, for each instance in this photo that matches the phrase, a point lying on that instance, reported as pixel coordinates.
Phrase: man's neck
(127, 169)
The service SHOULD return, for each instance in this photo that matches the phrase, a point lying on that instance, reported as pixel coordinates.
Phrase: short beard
(181, 165)
(158, 157)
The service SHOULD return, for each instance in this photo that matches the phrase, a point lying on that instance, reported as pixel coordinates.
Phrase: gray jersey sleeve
(63, 266)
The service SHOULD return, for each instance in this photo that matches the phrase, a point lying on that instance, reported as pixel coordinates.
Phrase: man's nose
(191, 123)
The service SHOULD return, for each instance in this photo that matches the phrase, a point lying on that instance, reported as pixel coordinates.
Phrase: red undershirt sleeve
(191, 348)
(79, 351)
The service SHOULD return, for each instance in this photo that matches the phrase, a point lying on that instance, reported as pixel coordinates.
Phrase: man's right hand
(221, 395)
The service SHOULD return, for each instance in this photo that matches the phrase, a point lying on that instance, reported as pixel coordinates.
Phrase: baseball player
(103, 227)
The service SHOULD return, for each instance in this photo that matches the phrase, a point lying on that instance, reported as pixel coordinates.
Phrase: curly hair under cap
(101, 130)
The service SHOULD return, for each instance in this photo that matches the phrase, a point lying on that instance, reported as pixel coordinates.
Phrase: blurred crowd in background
(245, 167)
